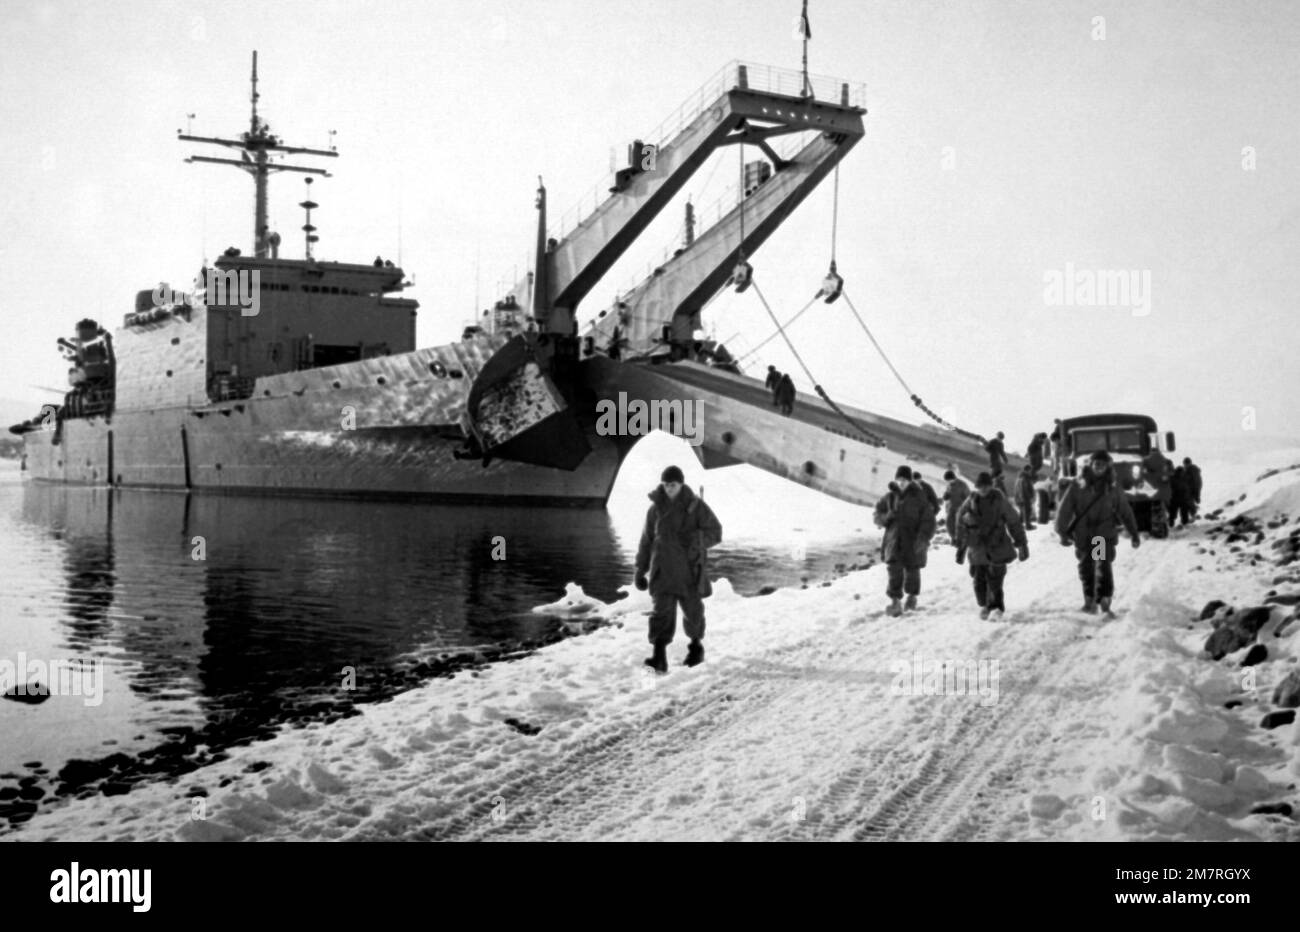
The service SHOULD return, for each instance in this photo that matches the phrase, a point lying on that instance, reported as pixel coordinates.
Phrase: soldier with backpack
(1091, 516)
(989, 530)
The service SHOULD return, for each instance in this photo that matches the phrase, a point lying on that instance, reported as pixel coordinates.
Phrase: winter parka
(908, 520)
(1101, 508)
(989, 529)
(955, 496)
(677, 534)
(1025, 488)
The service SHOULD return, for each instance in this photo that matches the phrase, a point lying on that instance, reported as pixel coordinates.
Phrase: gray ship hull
(239, 453)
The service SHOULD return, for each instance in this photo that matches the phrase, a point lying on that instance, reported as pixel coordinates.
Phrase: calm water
(202, 654)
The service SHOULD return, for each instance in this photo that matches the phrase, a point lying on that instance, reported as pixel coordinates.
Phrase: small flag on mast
(804, 28)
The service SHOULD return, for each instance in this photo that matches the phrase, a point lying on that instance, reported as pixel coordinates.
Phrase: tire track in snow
(905, 789)
(1005, 789)
(609, 781)
(895, 767)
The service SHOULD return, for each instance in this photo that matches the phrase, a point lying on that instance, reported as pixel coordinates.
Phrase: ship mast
(254, 159)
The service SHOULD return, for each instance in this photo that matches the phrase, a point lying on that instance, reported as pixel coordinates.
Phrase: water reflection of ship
(287, 593)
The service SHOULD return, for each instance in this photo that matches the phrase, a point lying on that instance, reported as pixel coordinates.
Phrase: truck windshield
(1120, 440)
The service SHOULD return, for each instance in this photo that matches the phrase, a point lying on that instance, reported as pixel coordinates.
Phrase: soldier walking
(989, 530)
(1091, 516)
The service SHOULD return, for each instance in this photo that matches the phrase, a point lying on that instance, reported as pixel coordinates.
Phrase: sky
(1006, 142)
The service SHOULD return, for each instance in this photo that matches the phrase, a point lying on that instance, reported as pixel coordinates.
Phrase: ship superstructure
(278, 375)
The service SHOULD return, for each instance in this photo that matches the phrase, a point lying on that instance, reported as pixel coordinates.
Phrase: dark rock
(31, 792)
(523, 727)
(77, 772)
(1212, 607)
(1278, 719)
(1257, 654)
(1227, 639)
(1252, 619)
(114, 788)
(1232, 703)
(9, 792)
(1288, 598)
(1287, 693)
(32, 694)
(257, 766)
(767, 590)
(1282, 809)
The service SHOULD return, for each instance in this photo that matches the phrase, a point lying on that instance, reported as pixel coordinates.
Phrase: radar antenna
(255, 146)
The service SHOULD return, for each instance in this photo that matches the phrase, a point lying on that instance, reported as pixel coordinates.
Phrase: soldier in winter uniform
(1090, 517)
(679, 530)
(954, 496)
(1180, 501)
(1035, 453)
(1157, 471)
(997, 452)
(908, 519)
(1025, 497)
(773, 383)
(785, 394)
(990, 532)
(1194, 483)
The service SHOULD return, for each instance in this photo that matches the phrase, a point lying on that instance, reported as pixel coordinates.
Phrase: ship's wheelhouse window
(325, 354)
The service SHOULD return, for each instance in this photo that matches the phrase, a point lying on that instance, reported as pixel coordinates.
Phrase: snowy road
(840, 757)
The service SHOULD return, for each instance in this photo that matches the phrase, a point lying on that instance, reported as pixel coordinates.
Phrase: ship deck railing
(766, 79)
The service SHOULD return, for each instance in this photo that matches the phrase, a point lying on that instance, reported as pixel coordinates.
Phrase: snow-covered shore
(815, 716)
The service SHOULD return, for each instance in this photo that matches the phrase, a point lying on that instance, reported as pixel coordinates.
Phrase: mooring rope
(873, 438)
(916, 399)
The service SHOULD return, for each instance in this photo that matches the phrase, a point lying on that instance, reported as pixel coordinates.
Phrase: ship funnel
(274, 241)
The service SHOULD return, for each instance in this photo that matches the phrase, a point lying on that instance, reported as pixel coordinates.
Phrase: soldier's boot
(694, 654)
(659, 661)
(1089, 606)
(894, 608)
(984, 611)
(1104, 604)
(910, 604)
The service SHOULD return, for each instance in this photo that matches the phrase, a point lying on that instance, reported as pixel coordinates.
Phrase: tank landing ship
(277, 375)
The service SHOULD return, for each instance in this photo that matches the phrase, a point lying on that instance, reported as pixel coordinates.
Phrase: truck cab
(1138, 451)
